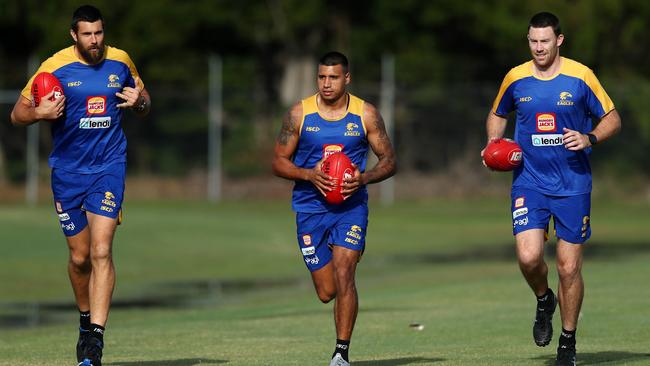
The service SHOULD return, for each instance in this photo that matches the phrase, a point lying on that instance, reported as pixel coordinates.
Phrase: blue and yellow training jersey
(88, 137)
(570, 99)
(321, 137)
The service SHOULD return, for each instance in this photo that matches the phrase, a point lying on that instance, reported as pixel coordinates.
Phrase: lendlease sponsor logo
(95, 122)
(554, 139)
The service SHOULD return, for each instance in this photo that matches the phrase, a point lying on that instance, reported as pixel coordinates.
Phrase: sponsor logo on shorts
(547, 140)
(351, 241)
(331, 149)
(585, 226)
(68, 227)
(520, 212)
(313, 260)
(312, 128)
(306, 239)
(546, 122)
(108, 202)
(64, 217)
(353, 236)
(72, 84)
(96, 105)
(519, 202)
(308, 251)
(352, 130)
(525, 99)
(520, 222)
(94, 123)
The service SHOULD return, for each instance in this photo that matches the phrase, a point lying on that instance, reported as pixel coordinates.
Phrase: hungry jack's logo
(546, 122)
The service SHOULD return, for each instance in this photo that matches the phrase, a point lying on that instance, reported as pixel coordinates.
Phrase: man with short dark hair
(88, 161)
(331, 238)
(555, 99)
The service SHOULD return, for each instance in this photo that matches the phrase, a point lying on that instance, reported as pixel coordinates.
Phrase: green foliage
(439, 44)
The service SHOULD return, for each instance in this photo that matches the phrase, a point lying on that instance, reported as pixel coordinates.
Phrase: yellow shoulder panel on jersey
(577, 70)
(516, 73)
(309, 106)
(58, 60)
(356, 107)
(117, 54)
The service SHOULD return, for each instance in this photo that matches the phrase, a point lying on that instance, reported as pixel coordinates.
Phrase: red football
(43, 84)
(503, 155)
(338, 166)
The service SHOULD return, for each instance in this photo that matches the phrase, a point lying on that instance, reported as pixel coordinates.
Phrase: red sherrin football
(338, 166)
(503, 155)
(43, 84)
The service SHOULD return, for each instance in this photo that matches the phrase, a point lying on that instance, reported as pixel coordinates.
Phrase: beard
(92, 54)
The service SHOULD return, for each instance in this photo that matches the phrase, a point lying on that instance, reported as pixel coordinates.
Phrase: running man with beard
(88, 161)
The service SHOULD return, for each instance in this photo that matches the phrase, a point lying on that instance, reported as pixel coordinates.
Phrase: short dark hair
(334, 58)
(546, 19)
(85, 13)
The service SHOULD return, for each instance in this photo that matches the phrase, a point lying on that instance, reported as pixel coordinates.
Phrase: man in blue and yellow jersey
(88, 161)
(331, 238)
(555, 99)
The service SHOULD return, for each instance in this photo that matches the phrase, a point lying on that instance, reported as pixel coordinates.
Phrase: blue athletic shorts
(100, 193)
(317, 232)
(533, 210)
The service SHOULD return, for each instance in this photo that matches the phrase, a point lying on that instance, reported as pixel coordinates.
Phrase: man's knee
(568, 268)
(101, 252)
(80, 262)
(530, 261)
(326, 296)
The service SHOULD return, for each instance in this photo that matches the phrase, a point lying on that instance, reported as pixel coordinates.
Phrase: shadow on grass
(398, 361)
(506, 252)
(322, 310)
(179, 362)
(598, 358)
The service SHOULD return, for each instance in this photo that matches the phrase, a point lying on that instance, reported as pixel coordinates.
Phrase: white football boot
(339, 361)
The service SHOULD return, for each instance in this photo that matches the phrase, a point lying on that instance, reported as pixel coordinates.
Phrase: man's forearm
(384, 169)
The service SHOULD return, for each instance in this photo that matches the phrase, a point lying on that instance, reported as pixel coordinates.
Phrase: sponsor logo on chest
(554, 139)
(113, 81)
(94, 123)
(546, 122)
(96, 105)
(331, 149)
(352, 130)
(565, 99)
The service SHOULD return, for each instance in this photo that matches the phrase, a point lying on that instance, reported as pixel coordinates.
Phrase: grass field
(210, 285)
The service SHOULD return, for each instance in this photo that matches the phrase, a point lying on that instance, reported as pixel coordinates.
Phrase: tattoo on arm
(383, 141)
(383, 148)
(288, 129)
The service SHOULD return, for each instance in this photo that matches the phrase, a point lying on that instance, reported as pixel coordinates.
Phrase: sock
(342, 348)
(97, 331)
(84, 321)
(568, 338)
(546, 299)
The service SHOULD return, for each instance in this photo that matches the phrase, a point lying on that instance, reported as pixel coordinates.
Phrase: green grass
(446, 264)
